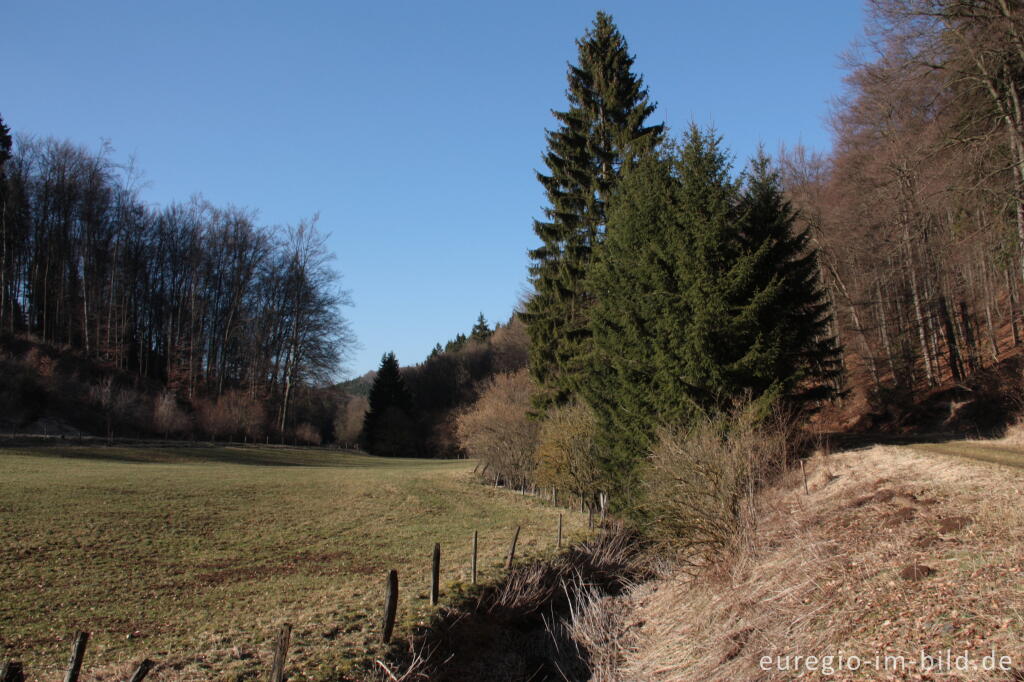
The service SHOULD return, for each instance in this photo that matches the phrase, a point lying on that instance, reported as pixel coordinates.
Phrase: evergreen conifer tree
(638, 320)
(603, 131)
(5, 144)
(480, 331)
(793, 355)
(456, 344)
(388, 427)
(706, 296)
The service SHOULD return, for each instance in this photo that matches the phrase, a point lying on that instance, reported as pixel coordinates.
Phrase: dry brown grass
(702, 484)
(842, 571)
(539, 622)
(1014, 434)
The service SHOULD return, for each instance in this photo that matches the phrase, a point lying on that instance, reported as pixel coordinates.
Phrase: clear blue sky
(413, 128)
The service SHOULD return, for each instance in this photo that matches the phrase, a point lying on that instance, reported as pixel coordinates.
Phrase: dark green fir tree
(792, 353)
(481, 331)
(388, 427)
(638, 320)
(602, 132)
(5, 145)
(706, 297)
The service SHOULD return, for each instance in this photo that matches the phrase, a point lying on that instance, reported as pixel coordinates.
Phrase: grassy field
(194, 556)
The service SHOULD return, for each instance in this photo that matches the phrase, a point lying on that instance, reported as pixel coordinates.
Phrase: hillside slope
(894, 552)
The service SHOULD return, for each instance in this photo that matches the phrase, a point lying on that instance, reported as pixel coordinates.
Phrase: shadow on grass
(214, 453)
(860, 441)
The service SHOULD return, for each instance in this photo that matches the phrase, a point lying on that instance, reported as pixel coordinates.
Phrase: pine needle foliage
(706, 297)
(388, 427)
(602, 132)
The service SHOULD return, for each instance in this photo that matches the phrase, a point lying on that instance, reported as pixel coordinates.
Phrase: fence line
(13, 671)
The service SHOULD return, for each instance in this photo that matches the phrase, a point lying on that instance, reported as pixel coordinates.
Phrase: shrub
(497, 429)
(700, 482)
(348, 421)
(234, 413)
(168, 417)
(307, 433)
(214, 418)
(245, 414)
(119, 405)
(566, 451)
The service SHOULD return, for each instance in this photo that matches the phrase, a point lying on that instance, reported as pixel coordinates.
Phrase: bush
(700, 482)
(497, 429)
(233, 414)
(566, 451)
(307, 433)
(348, 420)
(120, 405)
(214, 418)
(168, 418)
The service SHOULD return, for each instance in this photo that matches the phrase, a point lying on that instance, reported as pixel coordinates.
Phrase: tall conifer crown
(602, 131)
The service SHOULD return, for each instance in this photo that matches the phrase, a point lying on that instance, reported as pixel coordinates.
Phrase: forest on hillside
(182, 318)
(918, 212)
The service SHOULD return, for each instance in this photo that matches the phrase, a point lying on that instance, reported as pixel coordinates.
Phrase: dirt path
(996, 452)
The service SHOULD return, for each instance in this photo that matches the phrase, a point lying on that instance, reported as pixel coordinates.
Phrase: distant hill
(360, 385)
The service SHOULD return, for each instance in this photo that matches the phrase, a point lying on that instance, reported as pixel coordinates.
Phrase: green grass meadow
(195, 556)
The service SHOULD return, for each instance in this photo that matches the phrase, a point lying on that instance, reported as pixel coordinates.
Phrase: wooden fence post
(11, 671)
(472, 569)
(140, 673)
(77, 654)
(435, 573)
(512, 549)
(280, 653)
(804, 472)
(559, 530)
(390, 605)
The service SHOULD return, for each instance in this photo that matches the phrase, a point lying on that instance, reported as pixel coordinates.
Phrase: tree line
(918, 211)
(666, 289)
(674, 297)
(198, 298)
(413, 410)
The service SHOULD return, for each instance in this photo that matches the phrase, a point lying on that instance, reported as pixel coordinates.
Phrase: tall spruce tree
(388, 427)
(603, 131)
(706, 296)
(793, 356)
(638, 319)
(481, 331)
